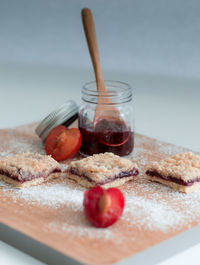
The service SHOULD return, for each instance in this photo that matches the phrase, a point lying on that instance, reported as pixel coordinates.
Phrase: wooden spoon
(105, 108)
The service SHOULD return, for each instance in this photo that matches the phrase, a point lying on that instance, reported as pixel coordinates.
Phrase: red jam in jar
(110, 134)
(108, 137)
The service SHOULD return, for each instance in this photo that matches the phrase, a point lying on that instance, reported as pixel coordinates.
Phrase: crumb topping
(185, 166)
(101, 167)
(28, 164)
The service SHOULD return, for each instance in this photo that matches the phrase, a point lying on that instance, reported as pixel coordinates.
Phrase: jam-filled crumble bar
(106, 169)
(180, 172)
(27, 169)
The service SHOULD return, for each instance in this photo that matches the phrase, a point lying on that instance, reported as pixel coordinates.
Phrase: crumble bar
(106, 170)
(180, 172)
(27, 169)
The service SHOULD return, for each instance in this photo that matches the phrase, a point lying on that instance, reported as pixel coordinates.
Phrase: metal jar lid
(64, 114)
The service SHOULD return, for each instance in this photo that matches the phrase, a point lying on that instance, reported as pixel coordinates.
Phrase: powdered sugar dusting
(149, 214)
(20, 140)
(149, 206)
(53, 195)
(79, 226)
(159, 207)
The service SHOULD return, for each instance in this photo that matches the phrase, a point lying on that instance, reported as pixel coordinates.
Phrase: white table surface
(167, 108)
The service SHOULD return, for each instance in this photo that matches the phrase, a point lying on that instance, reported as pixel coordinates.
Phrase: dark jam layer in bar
(173, 179)
(125, 174)
(107, 136)
(28, 177)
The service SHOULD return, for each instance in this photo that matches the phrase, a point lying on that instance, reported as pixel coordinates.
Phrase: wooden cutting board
(52, 213)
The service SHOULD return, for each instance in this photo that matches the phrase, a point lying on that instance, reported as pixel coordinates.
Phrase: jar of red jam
(113, 131)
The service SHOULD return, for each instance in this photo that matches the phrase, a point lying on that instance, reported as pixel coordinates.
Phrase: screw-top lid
(64, 114)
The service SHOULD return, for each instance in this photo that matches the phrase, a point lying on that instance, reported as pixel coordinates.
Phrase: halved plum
(103, 207)
(62, 143)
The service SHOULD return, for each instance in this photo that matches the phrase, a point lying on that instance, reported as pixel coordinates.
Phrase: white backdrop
(148, 36)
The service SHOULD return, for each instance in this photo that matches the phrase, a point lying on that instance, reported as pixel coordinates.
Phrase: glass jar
(106, 120)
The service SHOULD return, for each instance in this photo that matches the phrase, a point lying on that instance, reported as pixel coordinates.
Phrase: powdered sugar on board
(153, 206)
(53, 194)
(149, 206)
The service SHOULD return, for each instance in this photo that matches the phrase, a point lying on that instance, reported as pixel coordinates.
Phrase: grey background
(148, 36)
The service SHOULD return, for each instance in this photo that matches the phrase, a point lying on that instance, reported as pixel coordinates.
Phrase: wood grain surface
(62, 225)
